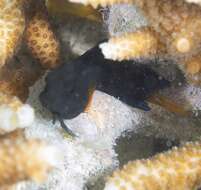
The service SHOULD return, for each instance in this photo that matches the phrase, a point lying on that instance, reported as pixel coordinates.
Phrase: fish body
(68, 88)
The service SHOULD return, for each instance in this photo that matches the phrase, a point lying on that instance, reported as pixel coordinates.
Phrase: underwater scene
(100, 95)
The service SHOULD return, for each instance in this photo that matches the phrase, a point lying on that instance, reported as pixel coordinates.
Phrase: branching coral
(141, 43)
(177, 25)
(14, 114)
(42, 41)
(23, 159)
(175, 169)
(12, 22)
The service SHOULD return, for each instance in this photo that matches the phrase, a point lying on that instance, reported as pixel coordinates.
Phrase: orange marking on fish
(90, 96)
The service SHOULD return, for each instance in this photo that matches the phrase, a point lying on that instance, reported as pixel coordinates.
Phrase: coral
(24, 159)
(178, 168)
(132, 45)
(178, 26)
(14, 114)
(42, 42)
(12, 22)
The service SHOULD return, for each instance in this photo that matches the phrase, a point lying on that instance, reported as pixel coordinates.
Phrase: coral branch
(12, 22)
(42, 41)
(142, 43)
(14, 114)
(176, 169)
(23, 159)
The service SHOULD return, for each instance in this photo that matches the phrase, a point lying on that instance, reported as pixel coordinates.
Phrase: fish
(69, 87)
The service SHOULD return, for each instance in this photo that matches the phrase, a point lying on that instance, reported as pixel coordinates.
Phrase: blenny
(69, 88)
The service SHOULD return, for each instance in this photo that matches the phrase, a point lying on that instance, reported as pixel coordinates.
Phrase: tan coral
(143, 43)
(193, 65)
(192, 69)
(42, 41)
(177, 22)
(24, 159)
(14, 114)
(176, 169)
(12, 23)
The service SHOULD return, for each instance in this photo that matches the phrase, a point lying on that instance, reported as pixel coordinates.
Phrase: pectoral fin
(142, 105)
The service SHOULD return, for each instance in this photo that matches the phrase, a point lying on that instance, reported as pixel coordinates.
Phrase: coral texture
(42, 42)
(12, 22)
(142, 43)
(23, 159)
(177, 24)
(178, 168)
(14, 114)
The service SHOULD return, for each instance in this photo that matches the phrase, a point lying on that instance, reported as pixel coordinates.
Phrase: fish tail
(169, 105)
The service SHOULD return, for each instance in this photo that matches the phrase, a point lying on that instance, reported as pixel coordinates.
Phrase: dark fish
(69, 88)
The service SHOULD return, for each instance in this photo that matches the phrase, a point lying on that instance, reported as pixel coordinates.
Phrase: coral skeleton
(24, 159)
(42, 41)
(178, 168)
(14, 114)
(12, 22)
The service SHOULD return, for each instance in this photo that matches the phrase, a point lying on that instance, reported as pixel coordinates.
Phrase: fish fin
(91, 91)
(63, 7)
(66, 129)
(142, 105)
(169, 104)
